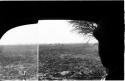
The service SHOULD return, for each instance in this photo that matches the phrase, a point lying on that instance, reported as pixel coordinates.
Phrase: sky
(44, 32)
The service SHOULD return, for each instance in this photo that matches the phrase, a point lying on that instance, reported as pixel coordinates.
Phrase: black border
(107, 14)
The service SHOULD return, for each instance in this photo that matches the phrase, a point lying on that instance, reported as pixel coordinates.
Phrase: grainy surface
(18, 62)
(76, 61)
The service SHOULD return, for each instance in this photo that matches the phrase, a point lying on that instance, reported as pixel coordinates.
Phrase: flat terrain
(18, 50)
(70, 61)
(18, 62)
(56, 62)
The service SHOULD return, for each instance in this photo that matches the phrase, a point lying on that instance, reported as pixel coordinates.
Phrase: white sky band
(45, 32)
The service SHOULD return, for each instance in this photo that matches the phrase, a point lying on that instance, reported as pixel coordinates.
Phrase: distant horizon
(67, 43)
(43, 44)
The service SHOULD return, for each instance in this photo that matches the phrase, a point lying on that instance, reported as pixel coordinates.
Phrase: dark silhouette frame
(108, 15)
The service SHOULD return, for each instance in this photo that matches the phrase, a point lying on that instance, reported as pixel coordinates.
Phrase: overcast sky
(45, 32)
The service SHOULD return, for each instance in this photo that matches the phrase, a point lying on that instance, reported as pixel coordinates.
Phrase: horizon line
(43, 44)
